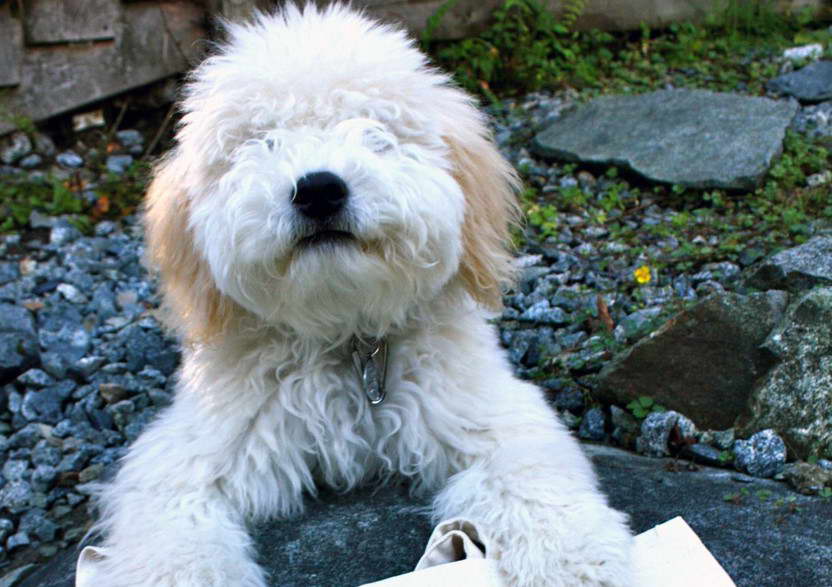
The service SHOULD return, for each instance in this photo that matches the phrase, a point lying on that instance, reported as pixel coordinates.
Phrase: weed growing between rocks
(527, 48)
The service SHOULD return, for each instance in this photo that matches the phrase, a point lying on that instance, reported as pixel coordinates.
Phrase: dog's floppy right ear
(192, 303)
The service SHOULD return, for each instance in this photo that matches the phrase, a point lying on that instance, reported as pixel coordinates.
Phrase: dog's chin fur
(268, 404)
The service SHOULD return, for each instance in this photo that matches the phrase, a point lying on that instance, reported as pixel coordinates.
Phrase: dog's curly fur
(268, 403)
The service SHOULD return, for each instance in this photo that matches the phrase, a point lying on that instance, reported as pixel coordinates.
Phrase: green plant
(644, 406)
(114, 196)
(524, 48)
(746, 17)
(825, 492)
(726, 457)
(544, 218)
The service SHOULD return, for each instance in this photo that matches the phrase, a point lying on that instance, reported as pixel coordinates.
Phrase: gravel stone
(17, 540)
(42, 406)
(36, 378)
(16, 496)
(35, 523)
(15, 147)
(655, 432)
(69, 159)
(762, 455)
(593, 424)
(119, 164)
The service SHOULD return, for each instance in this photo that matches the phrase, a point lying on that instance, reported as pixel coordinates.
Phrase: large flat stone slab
(809, 84)
(694, 138)
(759, 538)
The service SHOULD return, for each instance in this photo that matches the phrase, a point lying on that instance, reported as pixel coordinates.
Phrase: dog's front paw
(579, 546)
(105, 566)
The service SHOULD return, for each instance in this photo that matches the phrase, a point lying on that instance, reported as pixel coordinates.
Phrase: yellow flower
(643, 275)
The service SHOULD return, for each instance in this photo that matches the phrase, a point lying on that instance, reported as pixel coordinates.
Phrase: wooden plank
(11, 47)
(57, 78)
(63, 21)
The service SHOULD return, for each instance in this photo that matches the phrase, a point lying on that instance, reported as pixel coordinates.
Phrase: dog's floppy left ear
(490, 185)
(193, 305)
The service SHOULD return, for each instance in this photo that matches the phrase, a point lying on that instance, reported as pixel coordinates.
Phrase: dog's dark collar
(369, 357)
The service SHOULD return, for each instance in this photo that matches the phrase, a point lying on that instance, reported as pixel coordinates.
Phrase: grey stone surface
(367, 536)
(812, 83)
(796, 269)
(703, 362)
(795, 398)
(693, 138)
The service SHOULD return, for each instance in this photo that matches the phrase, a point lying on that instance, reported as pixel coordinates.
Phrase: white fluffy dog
(331, 228)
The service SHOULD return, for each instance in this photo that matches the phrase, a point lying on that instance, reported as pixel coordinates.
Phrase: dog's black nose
(320, 195)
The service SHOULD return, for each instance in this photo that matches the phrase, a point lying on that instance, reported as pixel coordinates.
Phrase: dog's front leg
(535, 497)
(175, 513)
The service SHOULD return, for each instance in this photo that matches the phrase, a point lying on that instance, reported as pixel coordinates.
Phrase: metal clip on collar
(369, 358)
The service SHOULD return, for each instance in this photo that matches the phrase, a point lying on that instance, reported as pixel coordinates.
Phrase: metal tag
(370, 362)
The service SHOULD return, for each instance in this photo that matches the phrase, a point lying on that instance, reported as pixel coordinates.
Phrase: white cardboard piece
(669, 554)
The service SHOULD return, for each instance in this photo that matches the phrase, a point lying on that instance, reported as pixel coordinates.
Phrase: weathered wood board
(66, 21)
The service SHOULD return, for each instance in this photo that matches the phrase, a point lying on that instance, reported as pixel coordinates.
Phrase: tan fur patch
(193, 304)
(489, 184)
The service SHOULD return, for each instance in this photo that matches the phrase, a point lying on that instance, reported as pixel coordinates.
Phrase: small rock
(819, 179)
(17, 540)
(570, 399)
(44, 145)
(71, 294)
(43, 478)
(15, 470)
(119, 164)
(762, 455)
(813, 51)
(807, 478)
(35, 523)
(625, 426)
(723, 439)
(15, 147)
(703, 453)
(6, 527)
(112, 392)
(543, 313)
(35, 378)
(69, 159)
(31, 161)
(809, 84)
(16, 496)
(656, 429)
(593, 424)
(63, 233)
(132, 140)
(90, 473)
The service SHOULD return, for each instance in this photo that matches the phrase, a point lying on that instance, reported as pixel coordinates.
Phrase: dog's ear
(490, 185)
(192, 303)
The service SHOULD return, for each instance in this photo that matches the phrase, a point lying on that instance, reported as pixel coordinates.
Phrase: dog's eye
(379, 141)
